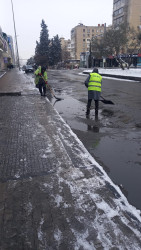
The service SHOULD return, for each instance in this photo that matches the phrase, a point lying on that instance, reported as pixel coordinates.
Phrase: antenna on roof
(80, 23)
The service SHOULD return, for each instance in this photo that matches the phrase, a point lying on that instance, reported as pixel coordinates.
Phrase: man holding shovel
(93, 83)
(41, 79)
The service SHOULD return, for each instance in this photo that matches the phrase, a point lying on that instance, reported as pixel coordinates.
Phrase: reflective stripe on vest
(95, 82)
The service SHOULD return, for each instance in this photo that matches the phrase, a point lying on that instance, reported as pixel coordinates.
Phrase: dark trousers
(89, 105)
(42, 86)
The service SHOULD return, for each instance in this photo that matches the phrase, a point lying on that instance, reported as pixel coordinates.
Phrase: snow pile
(136, 72)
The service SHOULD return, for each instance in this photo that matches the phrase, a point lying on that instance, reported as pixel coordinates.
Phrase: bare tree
(112, 43)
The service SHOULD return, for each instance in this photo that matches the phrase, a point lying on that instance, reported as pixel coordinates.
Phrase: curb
(2, 74)
(134, 78)
(10, 94)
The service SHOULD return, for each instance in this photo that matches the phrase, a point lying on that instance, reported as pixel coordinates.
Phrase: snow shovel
(106, 101)
(57, 98)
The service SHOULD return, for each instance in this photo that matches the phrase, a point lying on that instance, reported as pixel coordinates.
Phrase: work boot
(40, 92)
(44, 90)
(96, 114)
(87, 113)
(88, 107)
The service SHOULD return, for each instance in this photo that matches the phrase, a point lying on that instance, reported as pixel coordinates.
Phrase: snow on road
(127, 72)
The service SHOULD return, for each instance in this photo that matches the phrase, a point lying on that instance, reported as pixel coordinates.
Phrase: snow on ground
(101, 218)
(85, 182)
(126, 72)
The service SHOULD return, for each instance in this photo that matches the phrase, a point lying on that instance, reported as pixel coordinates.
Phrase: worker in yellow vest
(93, 83)
(41, 79)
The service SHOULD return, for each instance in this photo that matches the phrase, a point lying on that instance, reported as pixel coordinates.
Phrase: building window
(118, 4)
(88, 30)
(83, 30)
(118, 21)
(83, 40)
(92, 30)
(118, 12)
(88, 35)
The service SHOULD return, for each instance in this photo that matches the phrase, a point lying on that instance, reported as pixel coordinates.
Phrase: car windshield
(28, 66)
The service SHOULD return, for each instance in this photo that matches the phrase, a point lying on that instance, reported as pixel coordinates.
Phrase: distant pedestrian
(41, 79)
(93, 83)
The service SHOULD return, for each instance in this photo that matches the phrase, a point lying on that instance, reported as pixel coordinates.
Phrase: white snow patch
(17, 176)
(58, 200)
(29, 207)
(44, 153)
(66, 205)
(58, 235)
(82, 241)
(45, 185)
(40, 233)
(107, 209)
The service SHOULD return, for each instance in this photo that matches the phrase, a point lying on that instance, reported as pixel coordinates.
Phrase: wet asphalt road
(115, 139)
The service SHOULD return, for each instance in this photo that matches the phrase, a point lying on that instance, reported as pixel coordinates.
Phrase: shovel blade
(107, 102)
(58, 99)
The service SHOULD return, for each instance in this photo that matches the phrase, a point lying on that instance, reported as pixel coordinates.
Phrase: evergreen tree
(51, 53)
(30, 61)
(55, 51)
(42, 47)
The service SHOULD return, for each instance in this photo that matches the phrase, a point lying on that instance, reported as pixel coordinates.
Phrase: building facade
(128, 12)
(66, 48)
(81, 36)
(6, 50)
(11, 48)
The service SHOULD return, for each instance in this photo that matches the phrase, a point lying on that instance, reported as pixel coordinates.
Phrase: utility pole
(15, 36)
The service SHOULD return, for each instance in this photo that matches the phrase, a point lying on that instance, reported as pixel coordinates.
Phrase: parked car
(24, 67)
(29, 68)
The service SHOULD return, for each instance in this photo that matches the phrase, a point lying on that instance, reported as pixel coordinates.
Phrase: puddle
(73, 112)
(122, 156)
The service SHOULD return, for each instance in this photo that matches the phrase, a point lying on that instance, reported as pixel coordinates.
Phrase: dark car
(29, 68)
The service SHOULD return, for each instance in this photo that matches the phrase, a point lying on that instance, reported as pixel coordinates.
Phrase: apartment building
(6, 50)
(65, 43)
(127, 11)
(81, 36)
(11, 48)
(66, 48)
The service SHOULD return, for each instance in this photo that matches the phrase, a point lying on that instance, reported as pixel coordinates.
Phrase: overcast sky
(60, 16)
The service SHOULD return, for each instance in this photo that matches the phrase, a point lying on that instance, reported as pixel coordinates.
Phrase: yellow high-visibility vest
(38, 77)
(95, 82)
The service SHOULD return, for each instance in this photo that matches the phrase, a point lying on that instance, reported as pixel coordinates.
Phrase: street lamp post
(15, 36)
